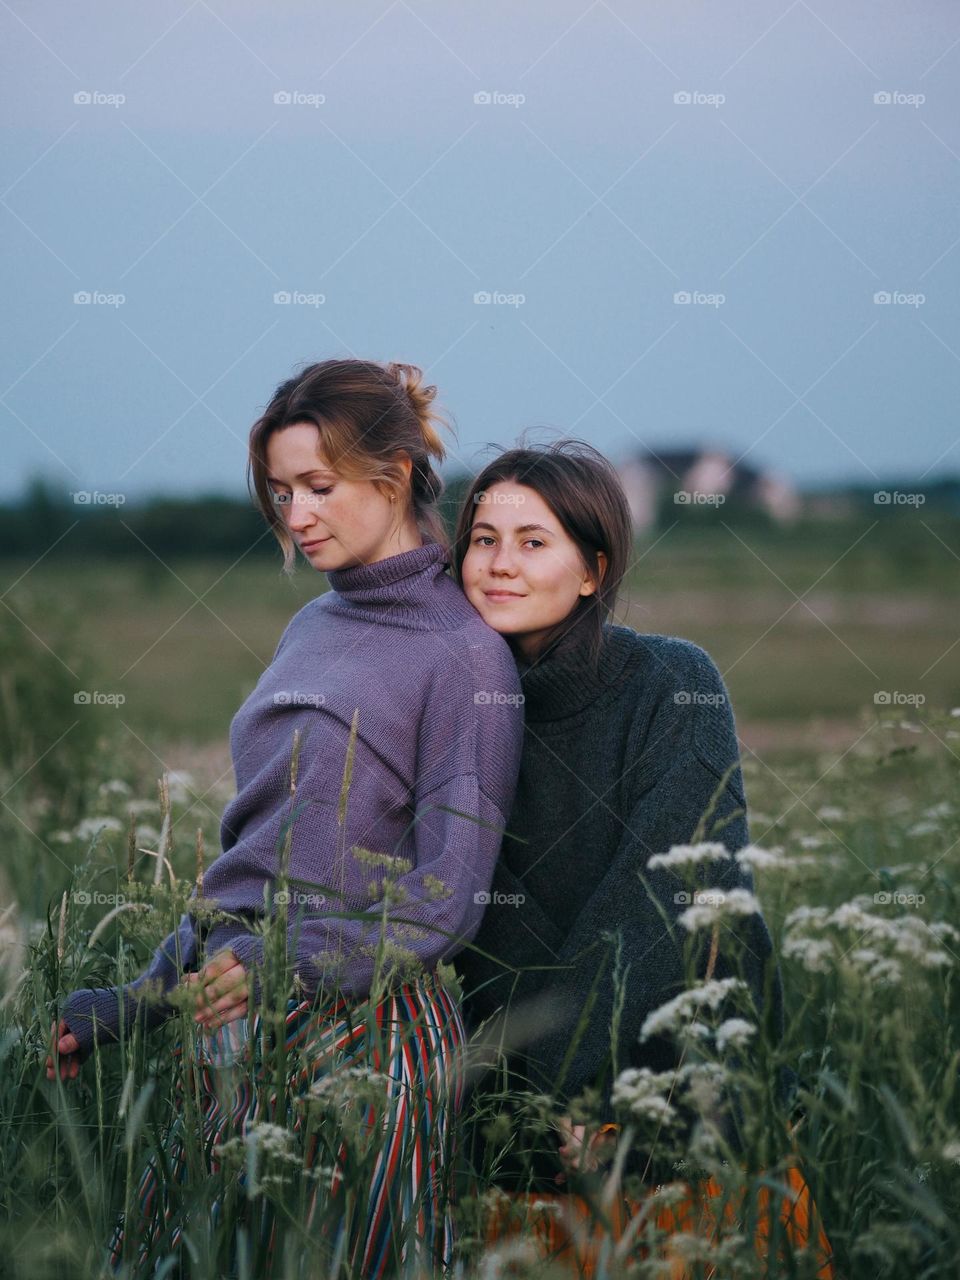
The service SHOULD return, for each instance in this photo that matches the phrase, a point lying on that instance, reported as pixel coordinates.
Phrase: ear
(590, 583)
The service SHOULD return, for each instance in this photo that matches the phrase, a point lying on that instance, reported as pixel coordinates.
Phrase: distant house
(702, 477)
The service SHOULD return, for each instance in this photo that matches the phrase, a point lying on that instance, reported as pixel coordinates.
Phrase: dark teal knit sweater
(618, 763)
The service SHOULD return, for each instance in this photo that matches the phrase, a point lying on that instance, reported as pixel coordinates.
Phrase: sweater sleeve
(468, 757)
(689, 744)
(145, 996)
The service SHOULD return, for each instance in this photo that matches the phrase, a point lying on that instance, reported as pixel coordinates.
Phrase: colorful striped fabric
(412, 1039)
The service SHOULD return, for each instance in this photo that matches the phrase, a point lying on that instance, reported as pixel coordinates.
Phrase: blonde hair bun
(409, 378)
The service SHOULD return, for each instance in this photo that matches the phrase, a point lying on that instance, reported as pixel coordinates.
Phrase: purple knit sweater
(434, 773)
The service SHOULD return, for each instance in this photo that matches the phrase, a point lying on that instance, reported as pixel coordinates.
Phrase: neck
(406, 538)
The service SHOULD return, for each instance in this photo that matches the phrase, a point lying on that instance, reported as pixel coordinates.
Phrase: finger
(225, 1012)
(222, 961)
(69, 1044)
(231, 982)
(232, 1001)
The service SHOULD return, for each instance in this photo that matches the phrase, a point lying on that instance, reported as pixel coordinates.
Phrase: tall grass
(860, 885)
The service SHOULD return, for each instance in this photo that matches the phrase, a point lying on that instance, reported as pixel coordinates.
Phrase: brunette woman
(342, 469)
(629, 740)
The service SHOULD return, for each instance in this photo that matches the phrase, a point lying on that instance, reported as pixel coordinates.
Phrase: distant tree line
(217, 525)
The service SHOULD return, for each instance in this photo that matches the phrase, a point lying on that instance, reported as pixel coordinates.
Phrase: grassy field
(860, 798)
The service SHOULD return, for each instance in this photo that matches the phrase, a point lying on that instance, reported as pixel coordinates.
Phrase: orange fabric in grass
(571, 1237)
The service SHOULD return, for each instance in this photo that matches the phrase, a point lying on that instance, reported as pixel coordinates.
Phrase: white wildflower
(688, 855)
(715, 1073)
(810, 842)
(87, 828)
(271, 1140)
(141, 806)
(641, 1091)
(852, 915)
(115, 787)
(942, 810)
(179, 782)
(951, 1151)
(342, 1087)
(670, 1193)
(714, 905)
(753, 856)
(682, 1008)
(735, 1032)
(814, 954)
(886, 971)
(804, 915)
(923, 828)
(830, 813)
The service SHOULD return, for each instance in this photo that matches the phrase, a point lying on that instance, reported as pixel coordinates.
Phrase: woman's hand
(64, 1042)
(221, 990)
(574, 1153)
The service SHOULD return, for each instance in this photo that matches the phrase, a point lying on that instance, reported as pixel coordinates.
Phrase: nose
(300, 513)
(502, 560)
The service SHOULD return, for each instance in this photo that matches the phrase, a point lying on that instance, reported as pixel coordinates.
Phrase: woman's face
(336, 522)
(522, 571)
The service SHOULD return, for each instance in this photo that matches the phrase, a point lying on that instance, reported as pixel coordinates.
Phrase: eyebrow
(304, 475)
(521, 528)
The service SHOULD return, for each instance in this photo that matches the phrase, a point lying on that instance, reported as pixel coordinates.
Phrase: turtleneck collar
(412, 586)
(565, 681)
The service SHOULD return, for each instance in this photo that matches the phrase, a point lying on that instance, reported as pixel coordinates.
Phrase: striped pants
(385, 1204)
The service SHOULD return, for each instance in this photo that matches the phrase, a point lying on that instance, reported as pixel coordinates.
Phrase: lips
(317, 542)
(503, 595)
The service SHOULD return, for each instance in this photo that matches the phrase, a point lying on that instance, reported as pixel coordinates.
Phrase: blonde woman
(342, 469)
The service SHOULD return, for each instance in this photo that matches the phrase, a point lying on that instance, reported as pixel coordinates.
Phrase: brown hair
(368, 416)
(583, 490)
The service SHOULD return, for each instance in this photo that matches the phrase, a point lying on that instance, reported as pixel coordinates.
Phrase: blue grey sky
(618, 155)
